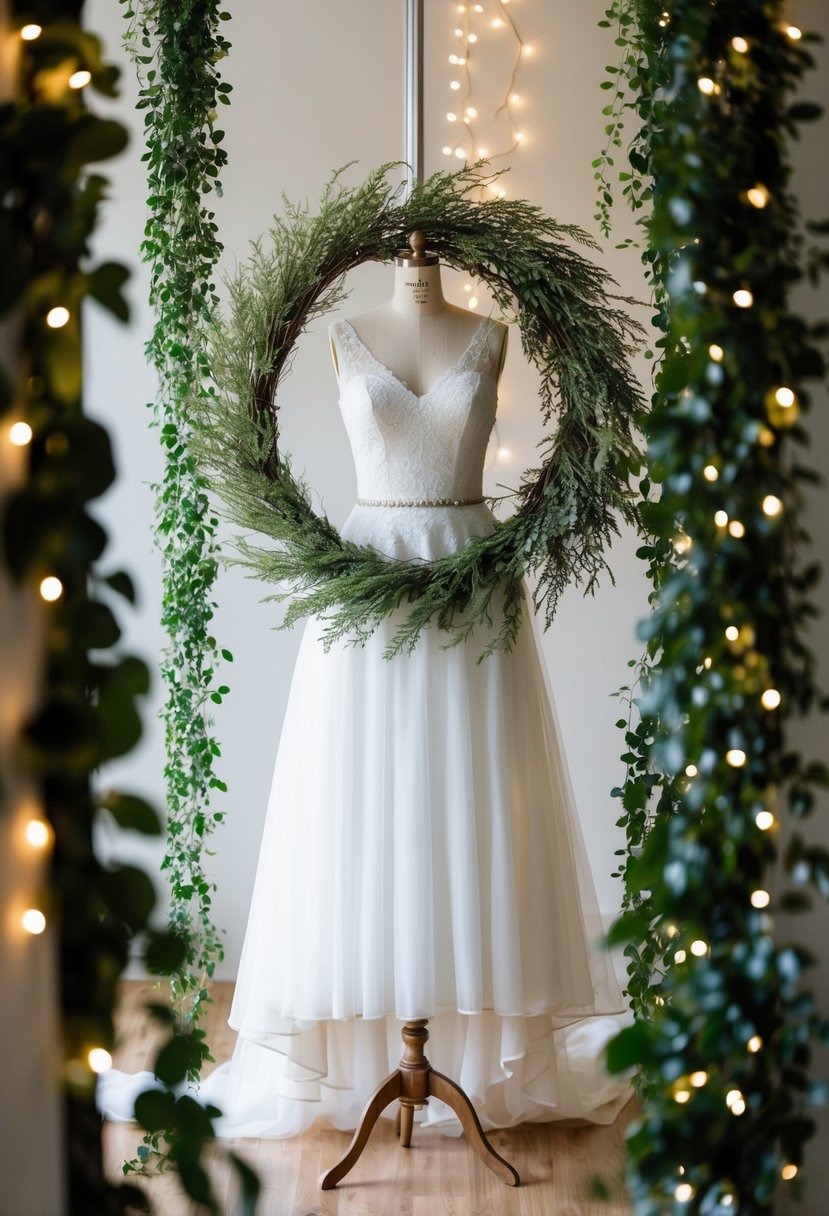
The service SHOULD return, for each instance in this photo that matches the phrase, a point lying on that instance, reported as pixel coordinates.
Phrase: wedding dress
(421, 855)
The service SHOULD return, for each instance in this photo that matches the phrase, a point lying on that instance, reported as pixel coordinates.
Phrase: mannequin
(416, 334)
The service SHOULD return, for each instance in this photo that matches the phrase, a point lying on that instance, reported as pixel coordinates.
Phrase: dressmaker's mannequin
(418, 337)
(416, 334)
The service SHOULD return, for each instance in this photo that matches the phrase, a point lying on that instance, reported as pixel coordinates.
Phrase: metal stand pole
(414, 92)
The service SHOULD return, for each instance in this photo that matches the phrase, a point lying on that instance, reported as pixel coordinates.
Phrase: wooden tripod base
(412, 1083)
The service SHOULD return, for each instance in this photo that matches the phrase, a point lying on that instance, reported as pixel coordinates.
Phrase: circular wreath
(567, 510)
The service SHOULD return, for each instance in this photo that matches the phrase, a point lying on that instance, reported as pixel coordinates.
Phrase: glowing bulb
(716, 352)
(770, 699)
(451, 117)
(447, 151)
(758, 196)
(472, 301)
(788, 1172)
(453, 59)
(479, 8)
(732, 1096)
(99, 1060)
(38, 833)
(459, 33)
(736, 757)
(720, 518)
(460, 153)
(454, 84)
(20, 433)
(520, 137)
(739, 45)
(80, 79)
(503, 453)
(738, 1106)
(461, 60)
(515, 98)
(760, 899)
(772, 505)
(682, 1096)
(706, 662)
(526, 50)
(706, 85)
(691, 770)
(497, 23)
(473, 37)
(699, 948)
(51, 588)
(754, 1044)
(672, 931)
(471, 112)
(482, 152)
(764, 820)
(737, 529)
(743, 298)
(680, 956)
(56, 318)
(784, 397)
(732, 633)
(795, 34)
(698, 1079)
(33, 921)
(31, 31)
(683, 1192)
(467, 286)
(710, 472)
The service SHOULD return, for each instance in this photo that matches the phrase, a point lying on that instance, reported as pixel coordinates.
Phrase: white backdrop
(313, 89)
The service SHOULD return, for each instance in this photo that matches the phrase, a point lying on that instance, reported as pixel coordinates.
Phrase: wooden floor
(438, 1175)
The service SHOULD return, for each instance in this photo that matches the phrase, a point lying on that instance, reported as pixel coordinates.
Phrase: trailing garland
(87, 712)
(176, 45)
(725, 1027)
(567, 510)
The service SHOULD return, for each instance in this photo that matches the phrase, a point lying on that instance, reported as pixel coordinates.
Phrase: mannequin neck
(417, 290)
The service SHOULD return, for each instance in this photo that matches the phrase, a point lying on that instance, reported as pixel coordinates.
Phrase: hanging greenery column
(715, 785)
(177, 45)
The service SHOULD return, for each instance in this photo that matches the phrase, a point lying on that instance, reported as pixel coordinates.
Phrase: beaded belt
(417, 502)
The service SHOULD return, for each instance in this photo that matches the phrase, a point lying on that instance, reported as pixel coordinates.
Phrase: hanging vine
(176, 45)
(725, 1025)
(86, 712)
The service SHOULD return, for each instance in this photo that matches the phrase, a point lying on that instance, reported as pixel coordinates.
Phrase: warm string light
(772, 505)
(38, 833)
(80, 79)
(760, 899)
(33, 921)
(31, 31)
(99, 1059)
(764, 820)
(710, 472)
(740, 45)
(57, 317)
(716, 352)
(20, 433)
(788, 1172)
(758, 196)
(743, 298)
(501, 23)
(51, 588)
(736, 757)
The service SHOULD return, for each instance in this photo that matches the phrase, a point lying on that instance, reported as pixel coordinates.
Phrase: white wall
(313, 88)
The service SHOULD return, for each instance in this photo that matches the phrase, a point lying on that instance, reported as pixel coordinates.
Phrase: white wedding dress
(421, 855)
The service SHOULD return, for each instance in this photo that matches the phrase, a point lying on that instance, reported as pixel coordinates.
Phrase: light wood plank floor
(437, 1176)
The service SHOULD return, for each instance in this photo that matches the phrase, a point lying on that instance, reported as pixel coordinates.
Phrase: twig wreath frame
(572, 330)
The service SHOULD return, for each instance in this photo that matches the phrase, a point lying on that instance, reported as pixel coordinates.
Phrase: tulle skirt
(421, 858)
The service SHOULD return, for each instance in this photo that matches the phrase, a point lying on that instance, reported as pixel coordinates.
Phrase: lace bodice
(410, 447)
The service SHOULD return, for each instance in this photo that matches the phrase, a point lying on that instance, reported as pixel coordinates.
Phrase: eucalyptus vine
(177, 46)
(726, 1025)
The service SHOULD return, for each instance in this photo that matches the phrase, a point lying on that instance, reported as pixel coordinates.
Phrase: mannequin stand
(412, 1083)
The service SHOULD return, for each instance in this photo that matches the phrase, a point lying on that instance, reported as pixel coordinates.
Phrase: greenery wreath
(571, 329)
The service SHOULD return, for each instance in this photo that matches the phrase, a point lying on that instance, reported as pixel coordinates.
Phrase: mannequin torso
(417, 335)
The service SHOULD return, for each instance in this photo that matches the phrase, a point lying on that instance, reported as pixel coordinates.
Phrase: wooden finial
(417, 240)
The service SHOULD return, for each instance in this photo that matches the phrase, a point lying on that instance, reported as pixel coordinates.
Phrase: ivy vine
(725, 1022)
(88, 708)
(177, 46)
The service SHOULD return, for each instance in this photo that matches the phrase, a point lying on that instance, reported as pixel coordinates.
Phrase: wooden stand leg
(412, 1083)
(453, 1096)
(385, 1092)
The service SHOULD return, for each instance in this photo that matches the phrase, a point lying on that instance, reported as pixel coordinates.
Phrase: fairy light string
(726, 1026)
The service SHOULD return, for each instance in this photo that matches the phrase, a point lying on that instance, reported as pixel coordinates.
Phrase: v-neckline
(443, 376)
